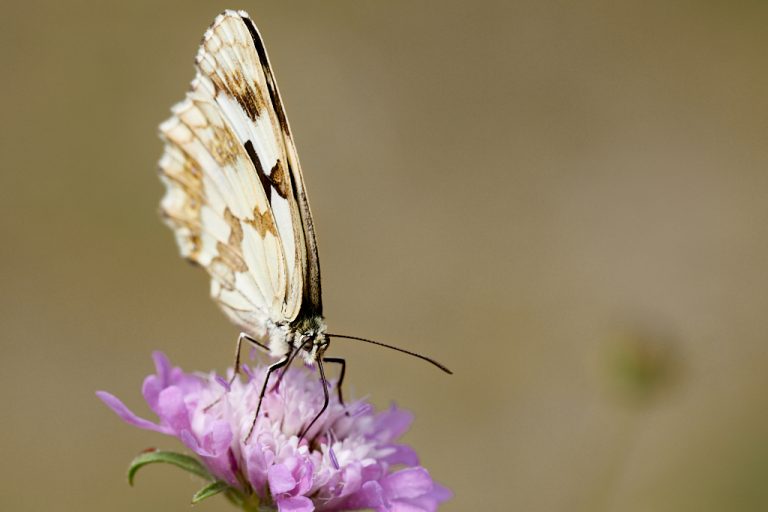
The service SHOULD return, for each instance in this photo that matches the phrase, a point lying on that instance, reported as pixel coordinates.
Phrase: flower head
(349, 460)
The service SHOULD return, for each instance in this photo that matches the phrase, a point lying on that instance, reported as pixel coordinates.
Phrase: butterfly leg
(240, 339)
(276, 366)
(253, 342)
(285, 369)
(343, 364)
(325, 402)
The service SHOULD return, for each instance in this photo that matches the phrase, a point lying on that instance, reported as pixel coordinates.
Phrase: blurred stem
(249, 503)
(617, 465)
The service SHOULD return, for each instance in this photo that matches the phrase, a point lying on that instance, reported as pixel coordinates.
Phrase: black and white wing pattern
(235, 196)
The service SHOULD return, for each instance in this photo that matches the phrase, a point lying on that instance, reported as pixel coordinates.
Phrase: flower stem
(249, 503)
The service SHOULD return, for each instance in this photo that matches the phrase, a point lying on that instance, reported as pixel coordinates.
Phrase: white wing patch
(229, 191)
(263, 137)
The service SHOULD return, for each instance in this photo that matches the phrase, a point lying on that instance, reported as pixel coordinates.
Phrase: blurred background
(564, 202)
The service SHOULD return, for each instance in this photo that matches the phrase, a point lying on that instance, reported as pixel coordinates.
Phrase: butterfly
(236, 201)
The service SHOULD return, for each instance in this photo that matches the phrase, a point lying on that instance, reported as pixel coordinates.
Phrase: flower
(349, 460)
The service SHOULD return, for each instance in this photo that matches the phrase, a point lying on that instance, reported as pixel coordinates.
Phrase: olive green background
(565, 202)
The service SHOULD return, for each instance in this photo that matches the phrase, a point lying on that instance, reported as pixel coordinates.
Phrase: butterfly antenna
(414, 354)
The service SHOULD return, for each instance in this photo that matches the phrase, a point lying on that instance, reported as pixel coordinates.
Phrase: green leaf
(209, 490)
(185, 462)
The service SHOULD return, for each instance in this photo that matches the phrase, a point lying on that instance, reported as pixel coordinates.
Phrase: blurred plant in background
(642, 364)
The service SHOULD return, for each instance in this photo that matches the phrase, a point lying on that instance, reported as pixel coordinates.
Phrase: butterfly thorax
(306, 334)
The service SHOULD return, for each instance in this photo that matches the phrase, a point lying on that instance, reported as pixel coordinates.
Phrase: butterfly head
(311, 339)
(315, 350)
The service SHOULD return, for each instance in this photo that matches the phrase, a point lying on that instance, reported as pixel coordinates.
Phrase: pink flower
(349, 460)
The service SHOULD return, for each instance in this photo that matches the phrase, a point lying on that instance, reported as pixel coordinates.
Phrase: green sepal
(212, 489)
(185, 462)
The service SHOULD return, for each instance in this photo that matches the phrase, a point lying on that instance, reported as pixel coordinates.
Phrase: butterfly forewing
(312, 300)
(234, 191)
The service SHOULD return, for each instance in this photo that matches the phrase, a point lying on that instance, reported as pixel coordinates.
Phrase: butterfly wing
(311, 305)
(235, 196)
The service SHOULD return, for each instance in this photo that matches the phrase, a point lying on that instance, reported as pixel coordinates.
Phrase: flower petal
(352, 478)
(151, 389)
(303, 474)
(425, 503)
(191, 442)
(172, 410)
(295, 504)
(162, 367)
(218, 438)
(407, 483)
(258, 459)
(280, 479)
(127, 415)
(392, 423)
(441, 493)
(402, 454)
(407, 506)
(370, 495)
